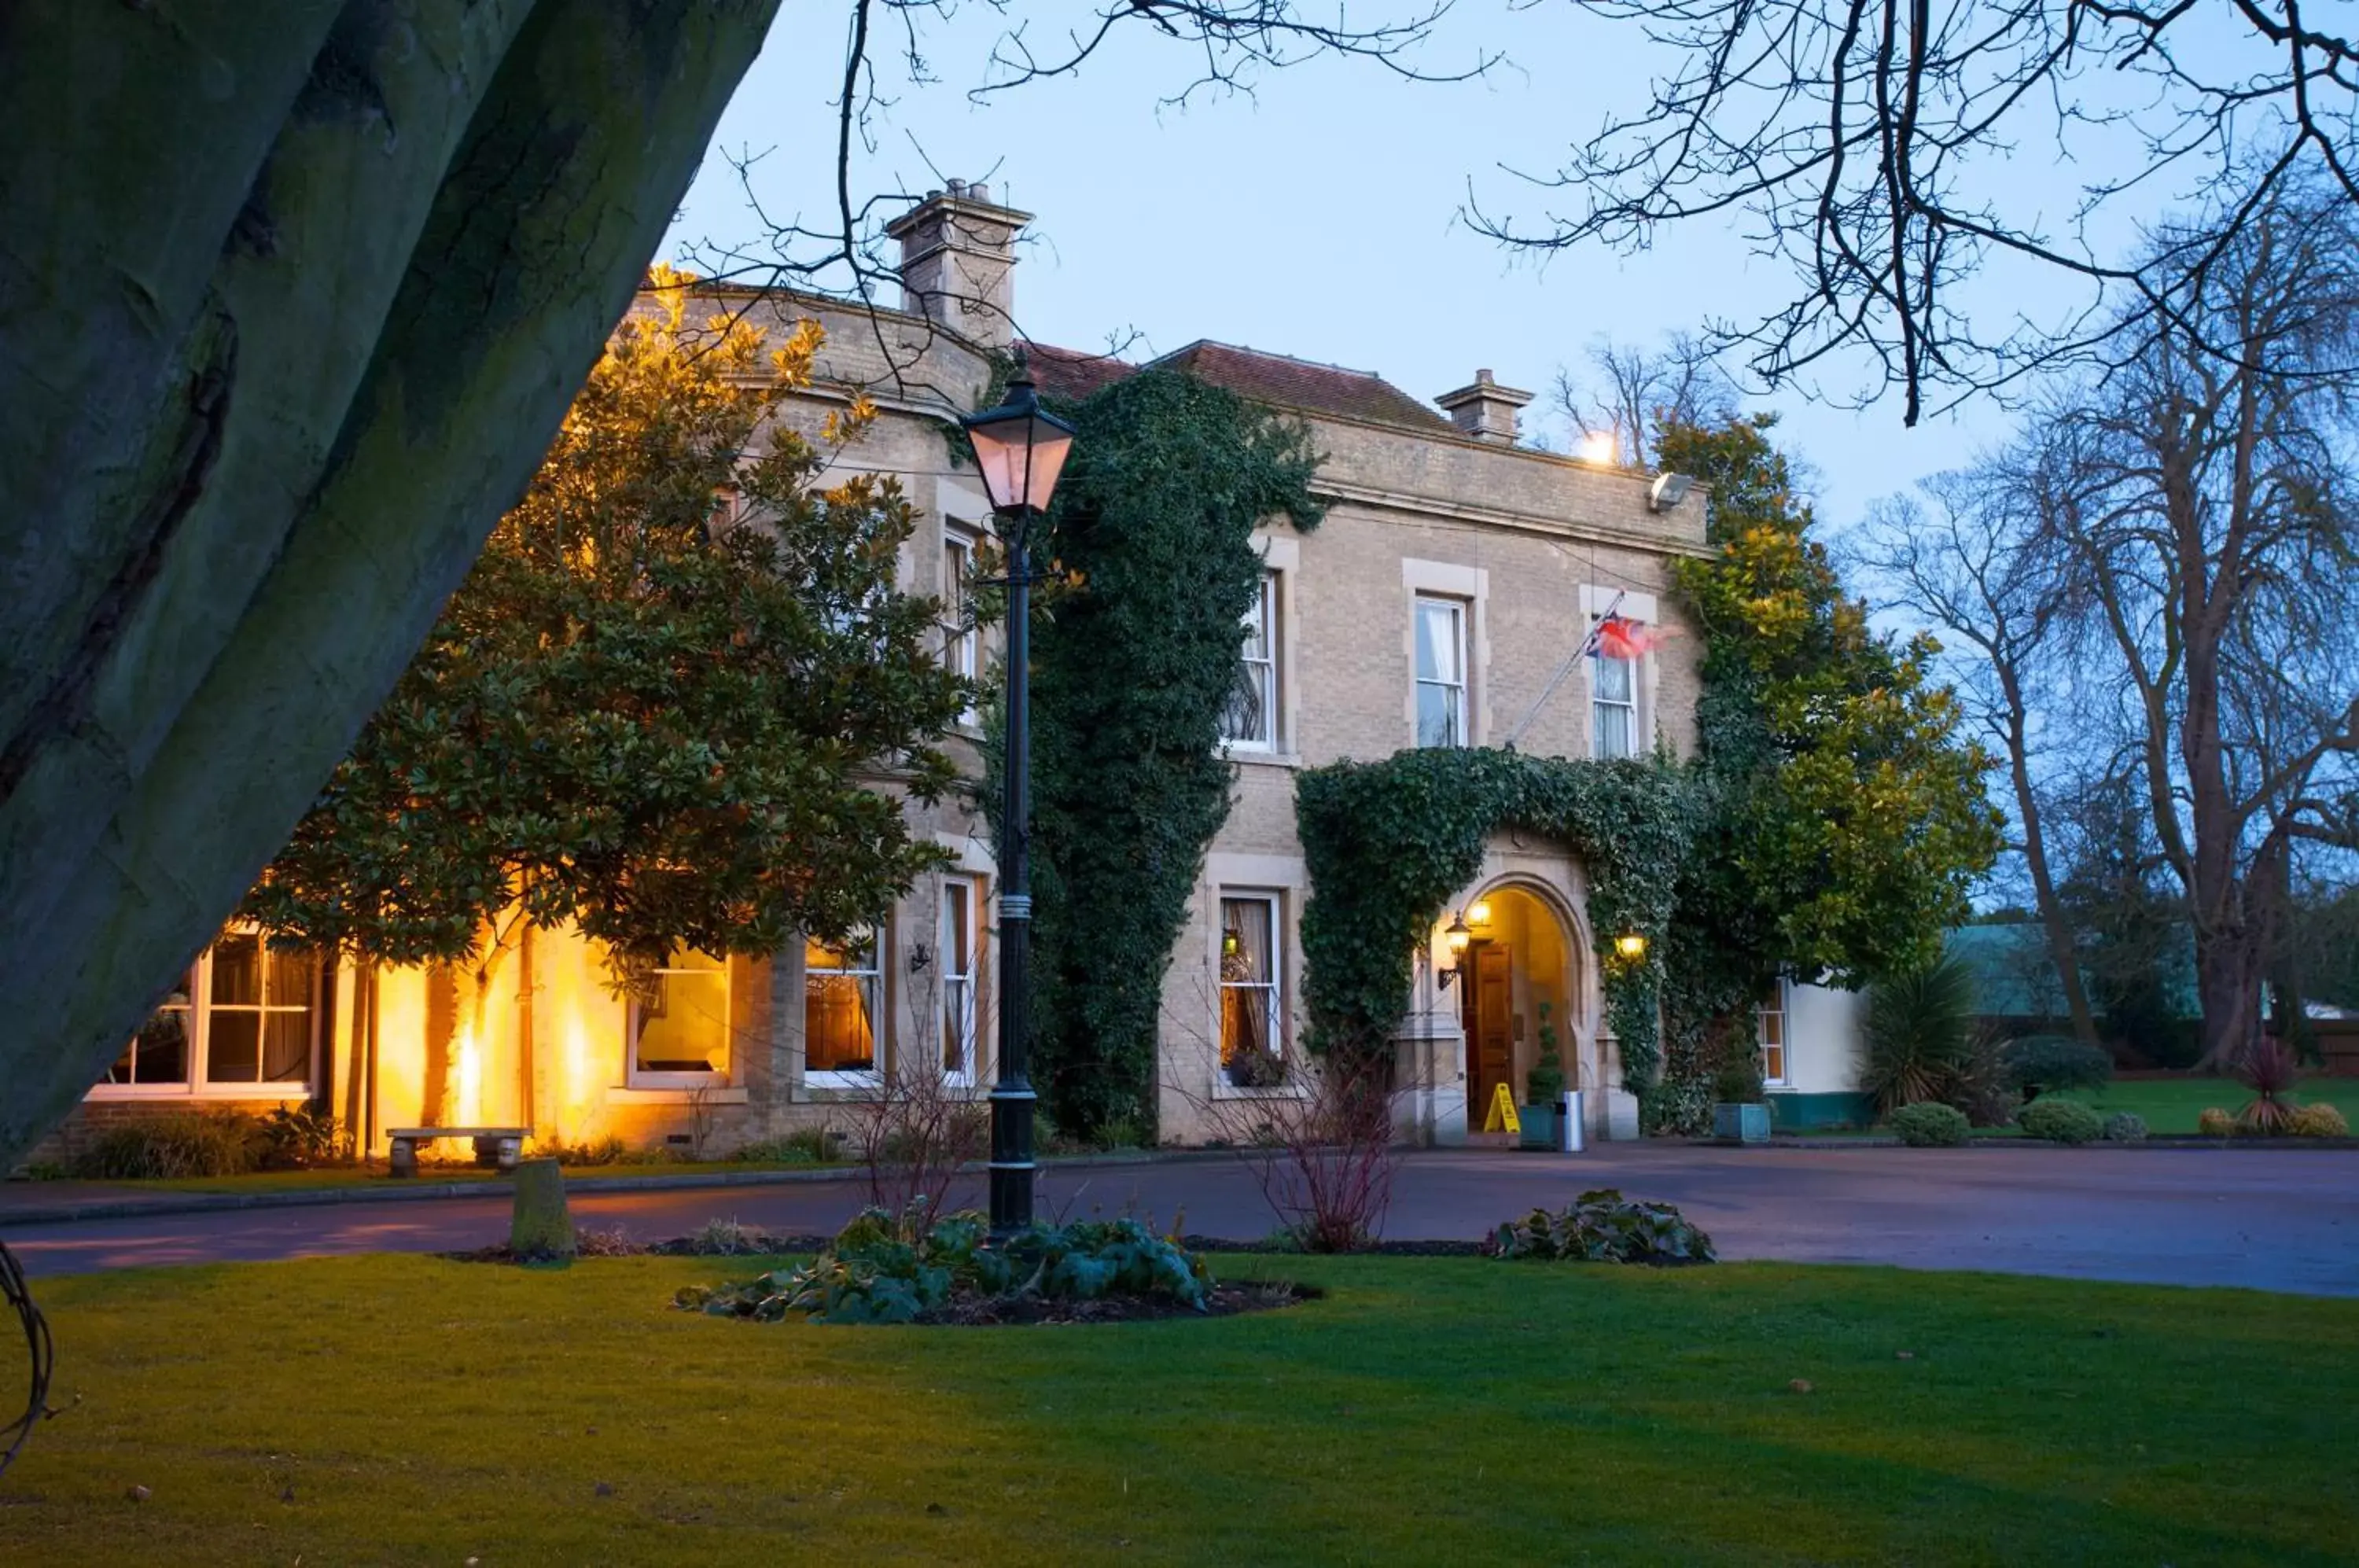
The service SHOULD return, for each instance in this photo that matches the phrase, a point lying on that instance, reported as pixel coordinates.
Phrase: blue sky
(1319, 217)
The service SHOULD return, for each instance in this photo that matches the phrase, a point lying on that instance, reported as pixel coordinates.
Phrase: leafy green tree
(658, 707)
(1848, 816)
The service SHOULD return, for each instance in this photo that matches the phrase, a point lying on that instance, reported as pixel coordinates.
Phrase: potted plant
(1739, 1113)
(1543, 1090)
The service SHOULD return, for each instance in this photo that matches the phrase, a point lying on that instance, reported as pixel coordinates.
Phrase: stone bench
(504, 1144)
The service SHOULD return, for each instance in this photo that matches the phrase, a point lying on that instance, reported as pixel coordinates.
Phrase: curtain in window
(840, 1007)
(1614, 699)
(1440, 674)
(1248, 990)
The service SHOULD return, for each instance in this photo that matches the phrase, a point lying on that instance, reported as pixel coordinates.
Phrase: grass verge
(2170, 1105)
(399, 1410)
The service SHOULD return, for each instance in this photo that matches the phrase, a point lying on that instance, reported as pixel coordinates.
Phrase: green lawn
(2171, 1105)
(1428, 1410)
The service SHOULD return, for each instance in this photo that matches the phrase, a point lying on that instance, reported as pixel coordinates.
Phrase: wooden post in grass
(542, 1227)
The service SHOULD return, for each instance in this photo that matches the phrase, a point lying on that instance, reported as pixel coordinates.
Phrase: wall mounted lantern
(1458, 939)
(1631, 946)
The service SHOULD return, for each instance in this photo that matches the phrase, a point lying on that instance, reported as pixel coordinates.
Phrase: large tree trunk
(291, 298)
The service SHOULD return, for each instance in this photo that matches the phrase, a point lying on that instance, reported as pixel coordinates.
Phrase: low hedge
(2060, 1121)
(1928, 1124)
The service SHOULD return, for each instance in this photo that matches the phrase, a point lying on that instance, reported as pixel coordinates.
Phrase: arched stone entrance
(1523, 990)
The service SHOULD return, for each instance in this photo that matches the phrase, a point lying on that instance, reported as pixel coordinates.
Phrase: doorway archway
(1521, 986)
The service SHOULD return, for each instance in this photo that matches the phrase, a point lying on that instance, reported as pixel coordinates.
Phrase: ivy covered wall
(1133, 657)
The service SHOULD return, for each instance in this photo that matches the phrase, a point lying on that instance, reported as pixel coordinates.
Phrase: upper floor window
(841, 986)
(1441, 671)
(1770, 1033)
(962, 638)
(241, 1018)
(680, 1027)
(1249, 721)
(1614, 706)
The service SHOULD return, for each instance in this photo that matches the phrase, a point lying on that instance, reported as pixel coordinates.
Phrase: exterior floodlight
(1667, 491)
(1019, 449)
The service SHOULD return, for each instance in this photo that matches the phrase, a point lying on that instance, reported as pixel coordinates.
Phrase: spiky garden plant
(2267, 1070)
(1919, 1030)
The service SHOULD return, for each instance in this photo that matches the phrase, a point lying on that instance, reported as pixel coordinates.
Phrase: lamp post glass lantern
(1020, 451)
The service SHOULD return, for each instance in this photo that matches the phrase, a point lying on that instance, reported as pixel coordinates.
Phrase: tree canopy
(659, 706)
(1848, 818)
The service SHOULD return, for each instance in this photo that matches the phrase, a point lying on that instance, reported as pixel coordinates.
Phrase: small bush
(1930, 1125)
(607, 1151)
(2216, 1123)
(1984, 1088)
(871, 1274)
(175, 1144)
(1603, 1226)
(296, 1138)
(2060, 1121)
(2044, 1064)
(2125, 1127)
(2319, 1120)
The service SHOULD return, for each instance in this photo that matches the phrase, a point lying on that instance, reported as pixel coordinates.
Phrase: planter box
(1540, 1126)
(1741, 1124)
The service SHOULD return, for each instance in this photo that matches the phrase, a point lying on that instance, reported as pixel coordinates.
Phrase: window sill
(719, 1095)
(835, 1088)
(1281, 1092)
(1285, 759)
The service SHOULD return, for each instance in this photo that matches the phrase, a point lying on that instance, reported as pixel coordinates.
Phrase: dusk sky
(1320, 217)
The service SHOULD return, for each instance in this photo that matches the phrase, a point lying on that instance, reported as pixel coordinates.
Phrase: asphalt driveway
(2274, 1220)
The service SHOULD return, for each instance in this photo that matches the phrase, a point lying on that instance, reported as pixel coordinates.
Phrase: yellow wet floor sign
(1501, 1117)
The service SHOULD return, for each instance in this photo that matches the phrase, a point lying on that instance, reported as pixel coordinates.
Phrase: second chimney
(1486, 410)
(958, 250)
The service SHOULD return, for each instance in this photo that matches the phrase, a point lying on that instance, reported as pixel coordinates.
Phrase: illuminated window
(1249, 720)
(1440, 673)
(241, 1021)
(841, 983)
(961, 896)
(1252, 1036)
(1770, 1034)
(679, 1030)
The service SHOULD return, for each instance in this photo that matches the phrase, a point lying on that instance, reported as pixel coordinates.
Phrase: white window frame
(1459, 616)
(636, 1077)
(1273, 989)
(960, 1017)
(199, 1084)
(873, 1076)
(962, 638)
(1784, 1013)
(1634, 669)
(1265, 610)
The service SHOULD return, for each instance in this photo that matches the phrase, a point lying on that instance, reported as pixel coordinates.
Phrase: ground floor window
(840, 984)
(961, 900)
(244, 1016)
(679, 1026)
(1770, 1033)
(1251, 1037)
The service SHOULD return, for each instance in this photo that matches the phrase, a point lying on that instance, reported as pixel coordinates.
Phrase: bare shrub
(1322, 1148)
(913, 1136)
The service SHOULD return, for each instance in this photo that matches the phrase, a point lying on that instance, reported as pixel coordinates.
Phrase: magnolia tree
(659, 708)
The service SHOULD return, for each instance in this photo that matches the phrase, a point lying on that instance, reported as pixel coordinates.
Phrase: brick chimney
(957, 251)
(1484, 410)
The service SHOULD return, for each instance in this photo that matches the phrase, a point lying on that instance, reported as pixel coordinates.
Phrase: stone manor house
(1440, 604)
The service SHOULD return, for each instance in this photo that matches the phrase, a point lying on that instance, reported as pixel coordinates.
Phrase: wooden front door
(1490, 1048)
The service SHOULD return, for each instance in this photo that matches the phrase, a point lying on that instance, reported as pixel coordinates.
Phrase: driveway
(2273, 1220)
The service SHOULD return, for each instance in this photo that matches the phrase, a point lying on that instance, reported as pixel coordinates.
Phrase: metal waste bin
(1572, 1131)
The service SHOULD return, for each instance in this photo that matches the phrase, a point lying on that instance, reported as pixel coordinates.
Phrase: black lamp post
(1020, 451)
